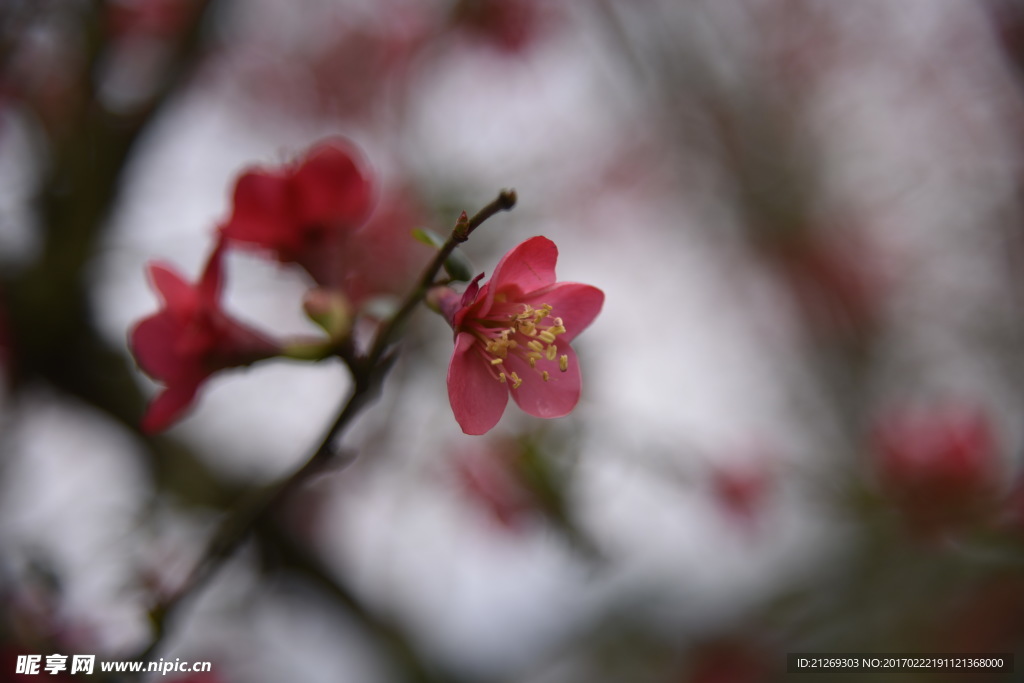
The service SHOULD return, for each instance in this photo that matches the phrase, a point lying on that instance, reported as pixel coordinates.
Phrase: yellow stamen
(526, 329)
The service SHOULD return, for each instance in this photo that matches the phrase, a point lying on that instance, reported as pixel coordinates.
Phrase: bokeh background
(801, 421)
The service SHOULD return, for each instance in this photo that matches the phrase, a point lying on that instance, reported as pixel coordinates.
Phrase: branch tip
(507, 199)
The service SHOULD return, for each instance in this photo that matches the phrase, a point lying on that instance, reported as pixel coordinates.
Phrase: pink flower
(492, 477)
(512, 336)
(381, 257)
(509, 26)
(742, 490)
(304, 213)
(939, 466)
(840, 285)
(149, 18)
(189, 339)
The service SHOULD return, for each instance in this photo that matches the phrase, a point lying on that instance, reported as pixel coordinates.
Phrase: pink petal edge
(172, 288)
(168, 406)
(528, 266)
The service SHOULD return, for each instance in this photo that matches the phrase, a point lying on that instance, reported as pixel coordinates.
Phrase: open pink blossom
(189, 339)
(512, 336)
(304, 213)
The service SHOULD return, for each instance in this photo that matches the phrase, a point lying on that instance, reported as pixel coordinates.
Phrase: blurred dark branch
(54, 334)
(397, 649)
(49, 317)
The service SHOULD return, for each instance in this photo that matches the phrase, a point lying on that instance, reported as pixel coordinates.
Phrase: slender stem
(505, 200)
(368, 374)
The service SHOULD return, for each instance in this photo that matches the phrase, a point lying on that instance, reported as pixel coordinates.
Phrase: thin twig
(505, 200)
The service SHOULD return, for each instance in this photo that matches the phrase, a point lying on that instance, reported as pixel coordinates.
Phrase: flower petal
(238, 344)
(472, 290)
(262, 213)
(577, 305)
(379, 257)
(529, 266)
(151, 342)
(480, 304)
(169, 405)
(477, 398)
(178, 295)
(330, 187)
(554, 398)
(212, 280)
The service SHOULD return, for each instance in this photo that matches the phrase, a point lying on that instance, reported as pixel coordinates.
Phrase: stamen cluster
(536, 341)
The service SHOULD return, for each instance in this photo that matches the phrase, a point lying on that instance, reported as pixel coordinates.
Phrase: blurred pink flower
(304, 213)
(492, 478)
(839, 284)
(509, 26)
(381, 257)
(512, 336)
(189, 339)
(153, 18)
(939, 466)
(741, 490)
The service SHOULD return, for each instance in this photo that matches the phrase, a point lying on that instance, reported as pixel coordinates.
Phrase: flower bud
(329, 309)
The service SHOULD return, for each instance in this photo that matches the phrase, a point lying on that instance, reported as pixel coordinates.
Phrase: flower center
(530, 335)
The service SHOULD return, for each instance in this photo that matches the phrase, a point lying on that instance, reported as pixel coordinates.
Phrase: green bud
(330, 310)
(308, 349)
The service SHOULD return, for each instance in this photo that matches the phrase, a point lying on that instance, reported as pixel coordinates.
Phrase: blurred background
(801, 421)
